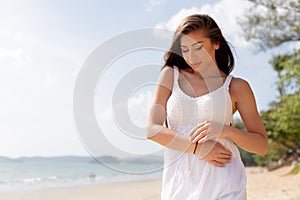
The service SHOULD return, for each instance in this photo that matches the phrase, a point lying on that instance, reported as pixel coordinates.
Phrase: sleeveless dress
(188, 177)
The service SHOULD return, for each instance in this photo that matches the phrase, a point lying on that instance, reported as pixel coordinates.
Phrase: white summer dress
(188, 177)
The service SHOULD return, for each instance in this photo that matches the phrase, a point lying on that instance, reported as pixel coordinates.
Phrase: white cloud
(138, 107)
(224, 12)
(36, 84)
(175, 20)
(40, 54)
(15, 50)
(153, 3)
(122, 136)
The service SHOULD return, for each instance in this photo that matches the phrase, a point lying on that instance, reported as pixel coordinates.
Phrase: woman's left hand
(206, 131)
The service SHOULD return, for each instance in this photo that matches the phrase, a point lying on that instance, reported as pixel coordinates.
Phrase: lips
(196, 64)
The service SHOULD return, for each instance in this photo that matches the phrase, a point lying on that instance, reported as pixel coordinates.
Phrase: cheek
(188, 59)
(197, 56)
(185, 57)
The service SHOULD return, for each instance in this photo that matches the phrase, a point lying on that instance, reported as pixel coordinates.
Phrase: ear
(217, 45)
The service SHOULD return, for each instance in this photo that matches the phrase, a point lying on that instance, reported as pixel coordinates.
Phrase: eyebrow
(193, 44)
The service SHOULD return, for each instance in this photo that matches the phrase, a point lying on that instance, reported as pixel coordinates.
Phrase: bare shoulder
(166, 77)
(241, 94)
(167, 71)
(239, 86)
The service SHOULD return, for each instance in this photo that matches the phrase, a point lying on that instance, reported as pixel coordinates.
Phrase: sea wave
(40, 172)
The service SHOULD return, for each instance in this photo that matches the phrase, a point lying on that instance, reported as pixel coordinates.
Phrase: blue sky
(44, 43)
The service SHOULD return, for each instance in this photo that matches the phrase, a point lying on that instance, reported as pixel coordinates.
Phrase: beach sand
(262, 185)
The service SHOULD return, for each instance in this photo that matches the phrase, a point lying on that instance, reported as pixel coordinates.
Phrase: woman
(197, 97)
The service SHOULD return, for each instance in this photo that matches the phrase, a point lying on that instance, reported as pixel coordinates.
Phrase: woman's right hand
(214, 153)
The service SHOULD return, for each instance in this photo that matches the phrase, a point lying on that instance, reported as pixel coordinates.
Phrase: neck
(210, 73)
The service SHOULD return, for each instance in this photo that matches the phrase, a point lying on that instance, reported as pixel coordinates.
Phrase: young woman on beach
(195, 98)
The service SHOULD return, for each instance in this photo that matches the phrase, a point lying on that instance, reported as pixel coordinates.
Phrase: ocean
(40, 172)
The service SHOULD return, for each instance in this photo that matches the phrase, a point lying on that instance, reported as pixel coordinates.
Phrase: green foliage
(275, 152)
(282, 126)
(271, 23)
(288, 70)
(248, 158)
(295, 170)
(261, 161)
(287, 116)
(282, 121)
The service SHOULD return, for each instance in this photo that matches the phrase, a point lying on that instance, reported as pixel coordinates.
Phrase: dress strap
(227, 81)
(176, 74)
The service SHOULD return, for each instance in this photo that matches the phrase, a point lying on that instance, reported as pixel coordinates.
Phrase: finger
(202, 140)
(193, 130)
(223, 160)
(200, 136)
(199, 130)
(196, 128)
(226, 152)
(208, 136)
(216, 163)
(225, 156)
(223, 149)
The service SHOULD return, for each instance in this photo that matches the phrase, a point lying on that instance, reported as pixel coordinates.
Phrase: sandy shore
(262, 185)
(275, 185)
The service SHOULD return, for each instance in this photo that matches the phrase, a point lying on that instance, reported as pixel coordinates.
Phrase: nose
(192, 55)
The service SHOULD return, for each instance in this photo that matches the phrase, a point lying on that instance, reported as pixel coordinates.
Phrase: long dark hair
(224, 57)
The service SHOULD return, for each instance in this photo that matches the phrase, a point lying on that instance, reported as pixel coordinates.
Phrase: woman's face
(198, 51)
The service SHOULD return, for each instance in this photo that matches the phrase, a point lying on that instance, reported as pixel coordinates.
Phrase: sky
(43, 45)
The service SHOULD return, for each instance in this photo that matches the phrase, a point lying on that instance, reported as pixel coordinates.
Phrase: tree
(287, 67)
(286, 130)
(283, 119)
(272, 22)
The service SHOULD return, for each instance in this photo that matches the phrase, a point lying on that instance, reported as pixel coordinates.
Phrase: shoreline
(133, 190)
(261, 184)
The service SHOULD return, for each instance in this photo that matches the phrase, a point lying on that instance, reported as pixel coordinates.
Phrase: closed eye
(199, 48)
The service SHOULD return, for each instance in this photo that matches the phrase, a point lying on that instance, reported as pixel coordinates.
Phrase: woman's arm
(213, 153)
(255, 139)
(157, 116)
